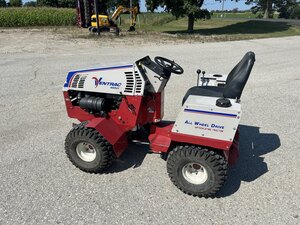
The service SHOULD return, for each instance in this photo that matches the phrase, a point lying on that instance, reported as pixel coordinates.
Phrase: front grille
(130, 82)
(78, 81)
(81, 82)
(139, 83)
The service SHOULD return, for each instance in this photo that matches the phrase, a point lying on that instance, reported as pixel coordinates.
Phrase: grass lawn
(232, 29)
(234, 26)
(247, 15)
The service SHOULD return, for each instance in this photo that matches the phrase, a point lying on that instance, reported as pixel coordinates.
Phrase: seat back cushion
(238, 76)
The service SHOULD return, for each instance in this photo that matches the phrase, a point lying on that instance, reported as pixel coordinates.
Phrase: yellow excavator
(109, 24)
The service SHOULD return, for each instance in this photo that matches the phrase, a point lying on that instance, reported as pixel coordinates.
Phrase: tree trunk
(268, 10)
(191, 23)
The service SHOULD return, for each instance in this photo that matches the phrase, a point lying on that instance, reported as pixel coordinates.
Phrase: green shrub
(296, 12)
(57, 3)
(156, 18)
(2, 3)
(15, 3)
(30, 4)
(259, 15)
(34, 16)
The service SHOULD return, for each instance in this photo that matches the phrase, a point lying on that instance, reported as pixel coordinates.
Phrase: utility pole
(97, 16)
(131, 10)
(222, 8)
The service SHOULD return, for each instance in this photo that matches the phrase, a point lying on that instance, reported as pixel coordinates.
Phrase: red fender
(162, 137)
(112, 132)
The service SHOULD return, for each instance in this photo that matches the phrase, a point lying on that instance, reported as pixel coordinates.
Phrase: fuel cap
(223, 102)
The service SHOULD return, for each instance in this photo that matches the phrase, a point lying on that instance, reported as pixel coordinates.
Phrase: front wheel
(88, 150)
(197, 171)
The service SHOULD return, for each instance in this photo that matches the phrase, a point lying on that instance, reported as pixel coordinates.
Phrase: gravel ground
(40, 186)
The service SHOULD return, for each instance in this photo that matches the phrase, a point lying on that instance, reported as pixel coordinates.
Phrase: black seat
(235, 81)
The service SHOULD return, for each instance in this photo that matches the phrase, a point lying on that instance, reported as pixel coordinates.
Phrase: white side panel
(110, 80)
(200, 116)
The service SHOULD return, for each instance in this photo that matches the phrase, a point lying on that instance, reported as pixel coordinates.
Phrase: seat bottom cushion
(210, 91)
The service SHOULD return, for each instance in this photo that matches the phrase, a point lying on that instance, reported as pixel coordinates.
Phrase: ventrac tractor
(117, 105)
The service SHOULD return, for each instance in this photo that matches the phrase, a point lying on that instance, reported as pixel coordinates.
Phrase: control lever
(203, 78)
(198, 72)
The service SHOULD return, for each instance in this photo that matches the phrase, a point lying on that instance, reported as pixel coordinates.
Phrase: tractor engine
(130, 94)
(95, 103)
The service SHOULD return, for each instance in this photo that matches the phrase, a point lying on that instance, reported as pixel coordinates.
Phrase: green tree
(30, 4)
(58, 3)
(262, 5)
(2, 3)
(286, 7)
(151, 5)
(15, 3)
(51, 3)
(235, 10)
(180, 8)
(113, 4)
(126, 3)
(67, 3)
(296, 12)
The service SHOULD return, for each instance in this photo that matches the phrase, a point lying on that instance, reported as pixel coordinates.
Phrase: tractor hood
(122, 79)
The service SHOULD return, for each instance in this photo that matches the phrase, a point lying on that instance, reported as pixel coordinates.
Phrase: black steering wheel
(168, 65)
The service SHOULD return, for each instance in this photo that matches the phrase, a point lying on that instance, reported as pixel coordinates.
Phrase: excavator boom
(121, 9)
(86, 18)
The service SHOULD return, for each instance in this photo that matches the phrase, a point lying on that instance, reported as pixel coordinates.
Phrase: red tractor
(120, 104)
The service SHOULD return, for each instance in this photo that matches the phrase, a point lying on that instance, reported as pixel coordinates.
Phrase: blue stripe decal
(210, 113)
(103, 68)
(70, 74)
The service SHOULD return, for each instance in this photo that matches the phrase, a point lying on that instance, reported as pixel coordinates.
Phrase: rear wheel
(197, 171)
(88, 150)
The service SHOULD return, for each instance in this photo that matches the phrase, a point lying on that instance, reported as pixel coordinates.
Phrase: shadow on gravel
(133, 157)
(250, 165)
(247, 27)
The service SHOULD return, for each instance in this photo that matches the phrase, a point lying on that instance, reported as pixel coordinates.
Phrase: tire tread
(215, 159)
(80, 130)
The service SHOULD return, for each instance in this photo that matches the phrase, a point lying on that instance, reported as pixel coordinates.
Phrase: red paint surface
(133, 111)
(208, 142)
(75, 111)
(160, 139)
(112, 132)
(139, 110)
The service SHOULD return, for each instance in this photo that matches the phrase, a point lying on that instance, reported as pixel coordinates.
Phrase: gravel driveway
(40, 186)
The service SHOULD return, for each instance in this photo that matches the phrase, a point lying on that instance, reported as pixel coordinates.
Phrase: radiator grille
(130, 82)
(78, 81)
(139, 83)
